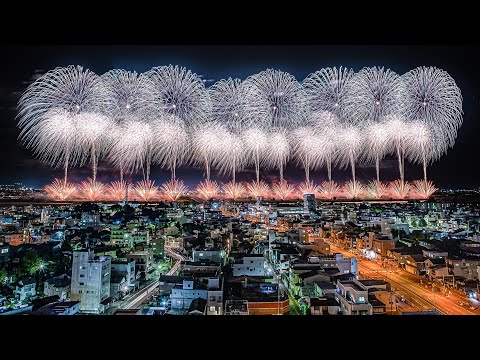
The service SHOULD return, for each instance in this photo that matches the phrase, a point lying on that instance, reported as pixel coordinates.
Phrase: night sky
(20, 65)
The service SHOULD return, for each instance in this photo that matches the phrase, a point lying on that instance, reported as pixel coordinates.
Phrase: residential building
(251, 265)
(90, 280)
(353, 298)
(25, 289)
(143, 263)
(59, 308)
(59, 285)
(214, 255)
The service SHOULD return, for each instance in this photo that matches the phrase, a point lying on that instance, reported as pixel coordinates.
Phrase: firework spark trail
(207, 144)
(233, 157)
(325, 89)
(275, 99)
(92, 190)
(283, 189)
(233, 190)
(278, 150)
(326, 145)
(174, 189)
(54, 140)
(94, 141)
(376, 144)
(305, 143)
(258, 189)
(353, 189)
(424, 147)
(180, 93)
(398, 131)
(376, 189)
(423, 189)
(208, 190)
(308, 187)
(433, 97)
(134, 147)
(229, 104)
(256, 143)
(146, 189)
(329, 190)
(350, 149)
(118, 190)
(399, 189)
(172, 143)
(60, 190)
(372, 94)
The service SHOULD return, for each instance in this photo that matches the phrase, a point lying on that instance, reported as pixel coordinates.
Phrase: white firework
(93, 138)
(326, 89)
(172, 143)
(373, 93)
(233, 157)
(207, 143)
(398, 132)
(134, 147)
(278, 150)
(229, 104)
(432, 96)
(55, 140)
(423, 189)
(326, 145)
(256, 143)
(351, 146)
(275, 99)
(377, 143)
(305, 146)
(179, 92)
(126, 93)
(71, 89)
(423, 145)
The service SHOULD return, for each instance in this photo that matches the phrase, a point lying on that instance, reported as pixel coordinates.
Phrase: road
(141, 296)
(419, 296)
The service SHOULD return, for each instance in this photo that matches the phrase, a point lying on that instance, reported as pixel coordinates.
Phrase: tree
(422, 223)
(414, 223)
(3, 276)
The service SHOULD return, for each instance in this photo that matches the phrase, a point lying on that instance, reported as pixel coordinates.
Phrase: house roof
(60, 281)
(325, 301)
(28, 281)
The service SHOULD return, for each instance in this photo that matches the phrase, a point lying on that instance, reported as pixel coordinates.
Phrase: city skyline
(18, 162)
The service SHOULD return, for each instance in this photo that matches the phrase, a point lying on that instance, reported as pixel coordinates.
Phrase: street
(418, 295)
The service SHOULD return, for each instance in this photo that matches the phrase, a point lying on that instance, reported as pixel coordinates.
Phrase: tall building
(309, 202)
(90, 280)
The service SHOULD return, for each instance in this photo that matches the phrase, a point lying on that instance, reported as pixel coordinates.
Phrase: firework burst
(305, 146)
(326, 89)
(283, 190)
(60, 190)
(376, 189)
(376, 144)
(233, 157)
(399, 189)
(207, 144)
(233, 190)
(353, 189)
(117, 190)
(308, 187)
(275, 99)
(329, 190)
(326, 145)
(372, 94)
(397, 130)
(179, 92)
(433, 97)
(258, 189)
(423, 189)
(92, 190)
(350, 148)
(256, 143)
(229, 104)
(174, 189)
(278, 150)
(146, 189)
(172, 143)
(208, 190)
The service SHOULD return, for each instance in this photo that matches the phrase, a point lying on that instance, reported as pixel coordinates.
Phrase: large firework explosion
(207, 190)
(165, 116)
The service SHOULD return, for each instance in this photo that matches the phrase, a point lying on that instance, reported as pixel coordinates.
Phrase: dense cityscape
(259, 257)
(313, 193)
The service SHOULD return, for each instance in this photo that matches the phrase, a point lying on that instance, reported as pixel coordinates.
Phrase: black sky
(20, 65)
